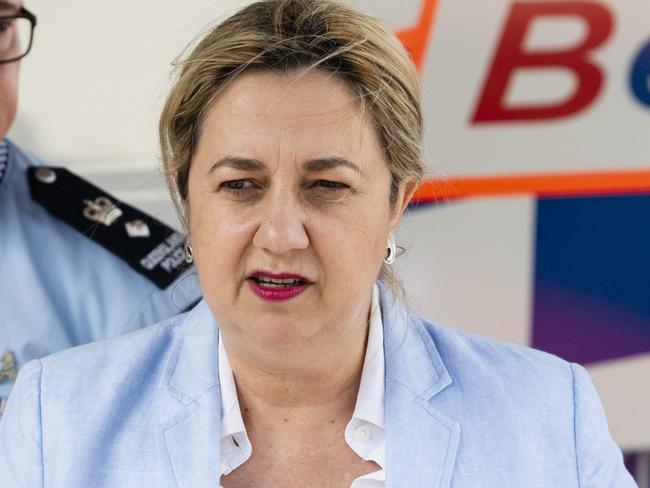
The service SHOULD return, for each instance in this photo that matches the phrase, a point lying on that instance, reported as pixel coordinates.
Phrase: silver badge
(137, 228)
(8, 371)
(102, 210)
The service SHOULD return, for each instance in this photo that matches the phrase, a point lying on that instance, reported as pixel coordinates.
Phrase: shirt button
(45, 175)
(363, 434)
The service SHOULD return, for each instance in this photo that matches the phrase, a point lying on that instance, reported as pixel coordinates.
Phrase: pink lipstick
(274, 287)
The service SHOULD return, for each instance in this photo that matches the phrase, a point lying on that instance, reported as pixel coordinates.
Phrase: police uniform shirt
(77, 265)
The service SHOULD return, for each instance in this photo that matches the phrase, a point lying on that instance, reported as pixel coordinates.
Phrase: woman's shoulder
(506, 396)
(83, 402)
(120, 359)
(499, 401)
(490, 373)
(473, 360)
(490, 352)
(488, 358)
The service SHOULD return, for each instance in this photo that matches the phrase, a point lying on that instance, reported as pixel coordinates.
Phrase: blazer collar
(189, 438)
(421, 442)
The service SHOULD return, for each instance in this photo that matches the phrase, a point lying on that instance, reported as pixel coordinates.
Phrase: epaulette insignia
(150, 247)
(8, 370)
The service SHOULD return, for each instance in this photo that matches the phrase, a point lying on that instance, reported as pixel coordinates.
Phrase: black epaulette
(150, 247)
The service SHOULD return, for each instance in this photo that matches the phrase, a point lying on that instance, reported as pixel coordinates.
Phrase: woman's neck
(305, 387)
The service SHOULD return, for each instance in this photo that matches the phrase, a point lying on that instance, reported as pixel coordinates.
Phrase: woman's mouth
(277, 287)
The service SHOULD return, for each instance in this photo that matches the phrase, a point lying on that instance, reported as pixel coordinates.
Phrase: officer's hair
(284, 36)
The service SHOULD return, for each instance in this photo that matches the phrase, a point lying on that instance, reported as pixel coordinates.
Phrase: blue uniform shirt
(59, 287)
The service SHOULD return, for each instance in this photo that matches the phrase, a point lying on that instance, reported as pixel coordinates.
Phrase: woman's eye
(330, 184)
(242, 190)
(327, 191)
(236, 185)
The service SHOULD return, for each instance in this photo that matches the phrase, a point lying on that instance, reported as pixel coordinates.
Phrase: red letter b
(510, 56)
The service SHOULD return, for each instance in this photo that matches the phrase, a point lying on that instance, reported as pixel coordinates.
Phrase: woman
(292, 144)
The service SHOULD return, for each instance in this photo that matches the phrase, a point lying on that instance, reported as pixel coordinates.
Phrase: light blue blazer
(143, 410)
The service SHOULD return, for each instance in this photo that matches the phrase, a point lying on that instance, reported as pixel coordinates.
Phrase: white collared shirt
(365, 431)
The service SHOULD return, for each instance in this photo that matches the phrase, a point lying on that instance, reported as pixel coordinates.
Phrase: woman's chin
(281, 334)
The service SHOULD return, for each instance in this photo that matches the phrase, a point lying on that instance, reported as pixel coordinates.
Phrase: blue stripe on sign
(4, 156)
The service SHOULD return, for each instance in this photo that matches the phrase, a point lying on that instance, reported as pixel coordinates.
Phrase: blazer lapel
(190, 438)
(421, 442)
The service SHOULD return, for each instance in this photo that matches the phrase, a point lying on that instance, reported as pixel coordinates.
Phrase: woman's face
(288, 207)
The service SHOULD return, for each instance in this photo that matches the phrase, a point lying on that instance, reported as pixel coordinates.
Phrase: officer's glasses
(16, 33)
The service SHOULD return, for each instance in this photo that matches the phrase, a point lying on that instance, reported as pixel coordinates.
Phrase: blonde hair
(287, 35)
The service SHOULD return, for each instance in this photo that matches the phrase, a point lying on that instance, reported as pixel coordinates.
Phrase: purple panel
(631, 462)
(592, 277)
(585, 328)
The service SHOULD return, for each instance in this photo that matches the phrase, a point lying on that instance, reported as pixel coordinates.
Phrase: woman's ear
(406, 190)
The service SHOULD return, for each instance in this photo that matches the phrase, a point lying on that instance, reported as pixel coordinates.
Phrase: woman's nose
(282, 226)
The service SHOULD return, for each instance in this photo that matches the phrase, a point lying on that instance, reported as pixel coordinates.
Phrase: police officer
(76, 265)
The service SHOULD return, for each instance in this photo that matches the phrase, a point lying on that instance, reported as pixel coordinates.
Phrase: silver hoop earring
(189, 254)
(390, 249)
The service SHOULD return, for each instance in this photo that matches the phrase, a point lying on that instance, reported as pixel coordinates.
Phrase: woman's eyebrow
(243, 164)
(313, 165)
(323, 164)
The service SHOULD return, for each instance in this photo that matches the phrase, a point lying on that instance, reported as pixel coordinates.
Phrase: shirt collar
(370, 398)
(366, 440)
(235, 445)
(365, 432)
